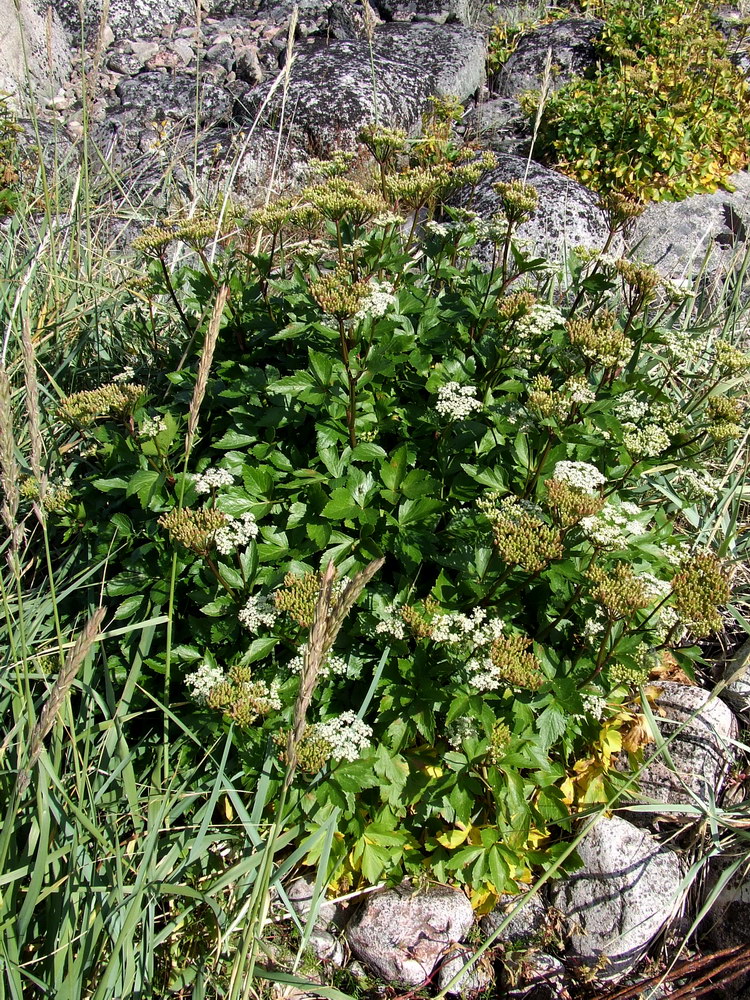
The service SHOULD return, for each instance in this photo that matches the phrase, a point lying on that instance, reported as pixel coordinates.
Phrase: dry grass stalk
(543, 96)
(57, 695)
(9, 474)
(329, 617)
(204, 366)
(32, 401)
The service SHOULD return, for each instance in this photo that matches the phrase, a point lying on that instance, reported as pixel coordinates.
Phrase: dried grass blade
(204, 366)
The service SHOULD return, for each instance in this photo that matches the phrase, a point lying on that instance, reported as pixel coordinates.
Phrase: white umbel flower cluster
(235, 534)
(347, 735)
(211, 479)
(457, 401)
(614, 525)
(202, 681)
(582, 475)
(378, 302)
(151, 427)
(258, 611)
(332, 666)
(483, 674)
(391, 624)
(594, 705)
(539, 321)
(475, 628)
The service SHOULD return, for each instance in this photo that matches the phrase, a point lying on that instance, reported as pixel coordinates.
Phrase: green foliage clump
(666, 113)
(9, 160)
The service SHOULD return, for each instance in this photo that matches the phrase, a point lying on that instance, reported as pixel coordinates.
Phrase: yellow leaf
(433, 771)
(451, 839)
(483, 899)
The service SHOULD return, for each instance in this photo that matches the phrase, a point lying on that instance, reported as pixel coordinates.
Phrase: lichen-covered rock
(125, 18)
(437, 11)
(401, 934)
(300, 895)
(701, 751)
(528, 920)
(334, 90)
(568, 214)
(677, 237)
(737, 678)
(629, 887)
(500, 125)
(157, 96)
(571, 42)
(538, 976)
(473, 981)
(32, 37)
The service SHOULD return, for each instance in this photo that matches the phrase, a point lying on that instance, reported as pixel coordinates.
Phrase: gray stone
(328, 948)
(500, 125)
(528, 921)
(157, 97)
(126, 18)
(737, 678)
(701, 751)
(144, 50)
(727, 924)
(222, 53)
(475, 979)
(629, 887)
(184, 50)
(300, 895)
(401, 934)
(677, 236)
(573, 52)
(333, 91)
(247, 65)
(34, 51)
(568, 214)
(436, 11)
(541, 976)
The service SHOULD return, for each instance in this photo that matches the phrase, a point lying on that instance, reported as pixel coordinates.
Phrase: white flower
(579, 474)
(459, 730)
(457, 401)
(126, 375)
(594, 705)
(152, 426)
(332, 665)
(378, 302)
(391, 625)
(539, 321)
(212, 479)
(646, 442)
(258, 611)
(388, 219)
(614, 525)
(235, 534)
(202, 681)
(347, 736)
(579, 390)
(483, 674)
(656, 589)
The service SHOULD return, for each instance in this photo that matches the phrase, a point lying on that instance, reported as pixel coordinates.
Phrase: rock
(436, 11)
(300, 894)
(701, 752)
(144, 50)
(628, 889)
(528, 921)
(477, 978)
(727, 924)
(333, 91)
(126, 18)
(500, 125)
(327, 947)
(184, 50)
(568, 214)
(737, 678)
(402, 934)
(573, 52)
(32, 35)
(676, 236)
(157, 96)
(540, 976)
(247, 65)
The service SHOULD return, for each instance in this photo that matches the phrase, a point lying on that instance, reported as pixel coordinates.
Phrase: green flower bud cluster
(194, 529)
(312, 752)
(419, 620)
(598, 339)
(273, 218)
(417, 186)
(618, 591)
(299, 597)
(523, 539)
(154, 240)
(620, 208)
(242, 698)
(198, 231)
(641, 278)
(546, 401)
(340, 198)
(384, 143)
(568, 504)
(513, 665)
(83, 408)
(338, 295)
(307, 218)
(729, 360)
(337, 165)
(515, 306)
(724, 415)
(700, 587)
(518, 201)
(629, 675)
(499, 742)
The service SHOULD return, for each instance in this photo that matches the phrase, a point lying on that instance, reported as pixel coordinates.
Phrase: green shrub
(9, 160)
(527, 470)
(665, 115)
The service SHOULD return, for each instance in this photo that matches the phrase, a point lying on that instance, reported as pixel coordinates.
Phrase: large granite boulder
(677, 237)
(571, 42)
(701, 751)
(125, 18)
(568, 215)
(627, 890)
(158, 96)
(34, 50)
(402, 934)
(335, 90)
